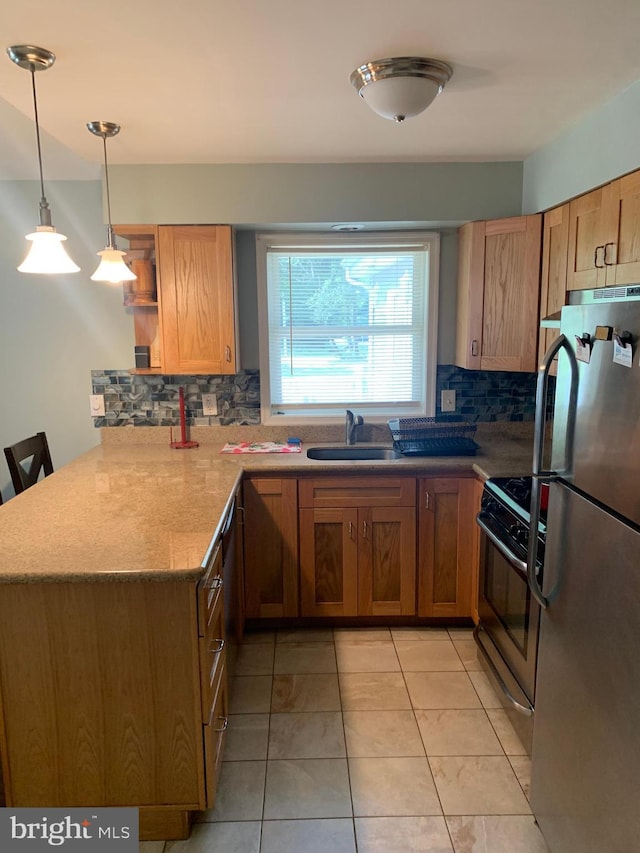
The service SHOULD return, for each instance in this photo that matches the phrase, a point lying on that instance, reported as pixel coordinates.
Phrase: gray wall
(603, 146)
(54, 329)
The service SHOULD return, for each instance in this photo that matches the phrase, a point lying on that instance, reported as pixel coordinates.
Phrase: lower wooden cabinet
(357, 556)
(447, 555)
(271, 547)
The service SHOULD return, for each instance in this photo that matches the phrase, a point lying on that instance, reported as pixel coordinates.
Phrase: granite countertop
(143, 511)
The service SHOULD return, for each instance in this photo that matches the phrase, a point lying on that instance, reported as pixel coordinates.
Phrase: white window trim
(295, 239)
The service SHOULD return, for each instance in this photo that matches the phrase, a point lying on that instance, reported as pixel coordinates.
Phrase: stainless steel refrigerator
(585, 787)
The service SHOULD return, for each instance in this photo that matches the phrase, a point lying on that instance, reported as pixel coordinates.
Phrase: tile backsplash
(152, 400)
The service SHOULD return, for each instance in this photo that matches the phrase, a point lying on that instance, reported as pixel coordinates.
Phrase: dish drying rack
(432, 437)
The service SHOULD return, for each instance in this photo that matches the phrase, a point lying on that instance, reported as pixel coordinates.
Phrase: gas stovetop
(506, 503)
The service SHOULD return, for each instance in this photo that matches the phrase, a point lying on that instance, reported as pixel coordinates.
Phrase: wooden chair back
(34, 451)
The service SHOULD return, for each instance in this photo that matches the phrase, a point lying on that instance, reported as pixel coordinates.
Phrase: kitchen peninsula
(112, 673)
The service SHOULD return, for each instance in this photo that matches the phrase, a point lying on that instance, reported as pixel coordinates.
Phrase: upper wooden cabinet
(553, 279)
(498, 289)
(604, 236)
(190, 326)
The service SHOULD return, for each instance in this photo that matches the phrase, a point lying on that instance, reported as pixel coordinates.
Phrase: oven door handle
(525, 710)
(506, 552)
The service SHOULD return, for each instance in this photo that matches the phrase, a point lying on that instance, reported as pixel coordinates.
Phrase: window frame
(299, 239)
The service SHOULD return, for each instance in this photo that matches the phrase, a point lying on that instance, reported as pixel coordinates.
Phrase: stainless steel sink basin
(352, 453)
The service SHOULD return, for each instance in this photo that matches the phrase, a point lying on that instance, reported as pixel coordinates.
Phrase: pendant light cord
(110, 241)
(45, 213)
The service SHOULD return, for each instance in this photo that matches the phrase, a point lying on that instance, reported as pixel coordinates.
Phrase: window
(347, 322)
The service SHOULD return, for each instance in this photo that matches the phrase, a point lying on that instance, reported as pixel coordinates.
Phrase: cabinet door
(446, 546)
(478, 487)
(329, 561)
(196, 283)
(553, 291)
(622, 249)
(498, 289)
(587, 237)
(387, 561)
(271, 548)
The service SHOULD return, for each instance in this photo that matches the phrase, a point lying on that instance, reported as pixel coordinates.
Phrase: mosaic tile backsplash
(152, 400)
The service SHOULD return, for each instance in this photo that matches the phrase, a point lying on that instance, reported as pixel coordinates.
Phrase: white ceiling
(267, 81)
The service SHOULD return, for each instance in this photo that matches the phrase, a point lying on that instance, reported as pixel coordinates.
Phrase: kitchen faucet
(352, 421)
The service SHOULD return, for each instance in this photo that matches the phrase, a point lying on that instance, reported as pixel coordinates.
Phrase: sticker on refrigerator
(622, 352)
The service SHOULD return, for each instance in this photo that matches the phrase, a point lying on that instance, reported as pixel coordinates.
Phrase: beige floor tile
(460, 633)
(258, 636)
(373, 691)
(307, 788)
(300, 658)
(243, 837)
(374, 656)
(522, 768)
(496, 834)
(508, 736)
(477, 785)
(373, 734)
(315, 692)
(392, 787)
(414, 634)
(255, 659)
(402, 835)
(246, 738)
(468, 652)
(308, 735)
(428, 656)
(484, 689)
(457, 733)
(308, 836)
(240, 792)
(250, 694)
(432, 690)
(361, 635)
(306, 635)
(152, 846)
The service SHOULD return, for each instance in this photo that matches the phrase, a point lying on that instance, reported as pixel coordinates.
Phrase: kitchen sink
(352, 453)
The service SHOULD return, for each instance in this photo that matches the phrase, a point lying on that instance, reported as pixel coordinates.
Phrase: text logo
(105, 830)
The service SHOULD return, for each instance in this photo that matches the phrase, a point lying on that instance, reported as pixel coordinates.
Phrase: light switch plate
(209, 404)
(96, 405)
(448, 401)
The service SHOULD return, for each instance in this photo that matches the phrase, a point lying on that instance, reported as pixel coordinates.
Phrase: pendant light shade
(47, 255)
(400, 87)
(112, 267)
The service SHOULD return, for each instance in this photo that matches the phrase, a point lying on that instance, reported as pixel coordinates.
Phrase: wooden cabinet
(446, 550)
(553, 279)
(498, 290)
(604, 236)
(270, 547)
(357, 546)
(190, 328)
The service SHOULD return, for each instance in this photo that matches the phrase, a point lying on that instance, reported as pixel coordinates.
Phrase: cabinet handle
(227, 352)
(595, 258)
(365, 529)
(225, 723)
(427, 500)
(240, 510)
(604, 257)
(214, 583)
(351, 530)
(216, 649)
(474, 347)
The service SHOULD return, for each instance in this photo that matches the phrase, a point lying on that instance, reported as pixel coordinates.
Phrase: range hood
(628, 293)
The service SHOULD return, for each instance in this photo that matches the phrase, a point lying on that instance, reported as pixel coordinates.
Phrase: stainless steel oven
(507, 633)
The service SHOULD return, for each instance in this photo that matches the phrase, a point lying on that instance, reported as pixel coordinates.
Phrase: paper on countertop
(260, 447)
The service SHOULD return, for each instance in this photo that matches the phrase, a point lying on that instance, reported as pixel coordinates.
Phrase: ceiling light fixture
(400, 87)
(47, 254)
(112, 267)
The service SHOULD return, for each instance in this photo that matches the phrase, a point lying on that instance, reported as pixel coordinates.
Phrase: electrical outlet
(96, 405)
(448, 401)
(209, 404)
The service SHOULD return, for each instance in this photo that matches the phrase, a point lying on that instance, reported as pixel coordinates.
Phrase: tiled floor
(376, 741)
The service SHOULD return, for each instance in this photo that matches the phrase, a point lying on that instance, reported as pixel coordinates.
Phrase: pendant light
(47, 254)
(112, 267)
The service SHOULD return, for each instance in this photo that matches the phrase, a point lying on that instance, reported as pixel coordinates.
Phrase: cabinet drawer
(212, 658)
(210, 590)
(357, 492)
(214, 739)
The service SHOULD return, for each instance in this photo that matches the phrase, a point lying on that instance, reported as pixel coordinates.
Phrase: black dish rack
(432, 437)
